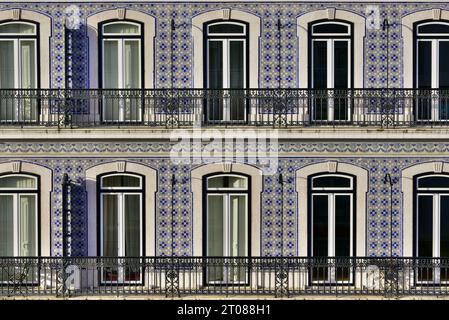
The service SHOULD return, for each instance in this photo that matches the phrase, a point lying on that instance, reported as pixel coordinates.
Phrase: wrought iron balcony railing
(180, 276)
(174, 108)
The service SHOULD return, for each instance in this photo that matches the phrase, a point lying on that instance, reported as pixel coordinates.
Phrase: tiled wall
(375, 41)
(370, 156)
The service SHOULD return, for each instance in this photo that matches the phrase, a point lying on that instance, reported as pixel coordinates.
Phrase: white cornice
(286, 134)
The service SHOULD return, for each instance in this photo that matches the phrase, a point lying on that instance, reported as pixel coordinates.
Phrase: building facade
(256, 129)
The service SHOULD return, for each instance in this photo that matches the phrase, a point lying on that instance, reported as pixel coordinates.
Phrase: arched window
(331, 223)
(432, 224)
(331, 68)
(227, 225)
(432, 70)
(226, 68)
(19, 215)
(121, 68)
(18, 69)
(121, 223)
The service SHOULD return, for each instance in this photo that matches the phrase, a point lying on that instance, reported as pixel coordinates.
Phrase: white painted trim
(45, 26)
(361, 176)
(407, 191)
(358, 31)
(149, 198)
(46, 187)
(198, 37)
(197, 190)
(407, 40)
(149, 27)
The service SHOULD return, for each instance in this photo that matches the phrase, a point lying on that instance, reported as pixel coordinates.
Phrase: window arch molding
(122, 167)
(43, 24)
(213, 169)
(221, 15)
(408, 174)
(45, 189)
(407, 28)
(302, 188)
(304, 21)
(149, 32)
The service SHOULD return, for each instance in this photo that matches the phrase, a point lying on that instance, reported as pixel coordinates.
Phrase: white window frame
(330, 39)
(331, 34)
(351, 185)
(121, 224)
(230, 188)
(19, 34)
(17, 194)
(436, 227)
(227, 34)
(226, 196)
(120, 74)
(435, 66)
(227, 74)
(227, 232)
(19, 175)
(121, 188)
(121, 34)
(321, 191)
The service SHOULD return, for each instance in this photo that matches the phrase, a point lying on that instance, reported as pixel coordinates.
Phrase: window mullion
(16, 224)
(331, 225)
(436, 225)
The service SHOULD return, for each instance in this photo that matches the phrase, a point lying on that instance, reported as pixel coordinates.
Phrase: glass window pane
(425, 64)
(341, 53)
(342, 225)
(17, 182)
(132, 225)
(319, 64)
(227, 182)
(121, 28)
(132, 64)
(330, 28)
(7, 71)
(238, 227)
(28, 64)
(444, 65)
(110, 225)
(236, 65)
(121, 181)
(215, 234)
(27, 226)
(425, 224)
(226, 28)
(17, 28)
(110, 65)
(215, 64)
(6, 226)
(320, 225)
(434, 28)
(331, 182)
(444, 226)
(433, 182)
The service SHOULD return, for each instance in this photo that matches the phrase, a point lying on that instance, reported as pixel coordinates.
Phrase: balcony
(176, 108)
(230, 276)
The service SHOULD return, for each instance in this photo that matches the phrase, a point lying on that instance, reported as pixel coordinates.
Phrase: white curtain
(111, 108)
(131, 78)
(27, 226)
(6, 226)
(28, 75)
(17, 182)
(110, 225)
(121, 28)
(7, 72)
(132, 225)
